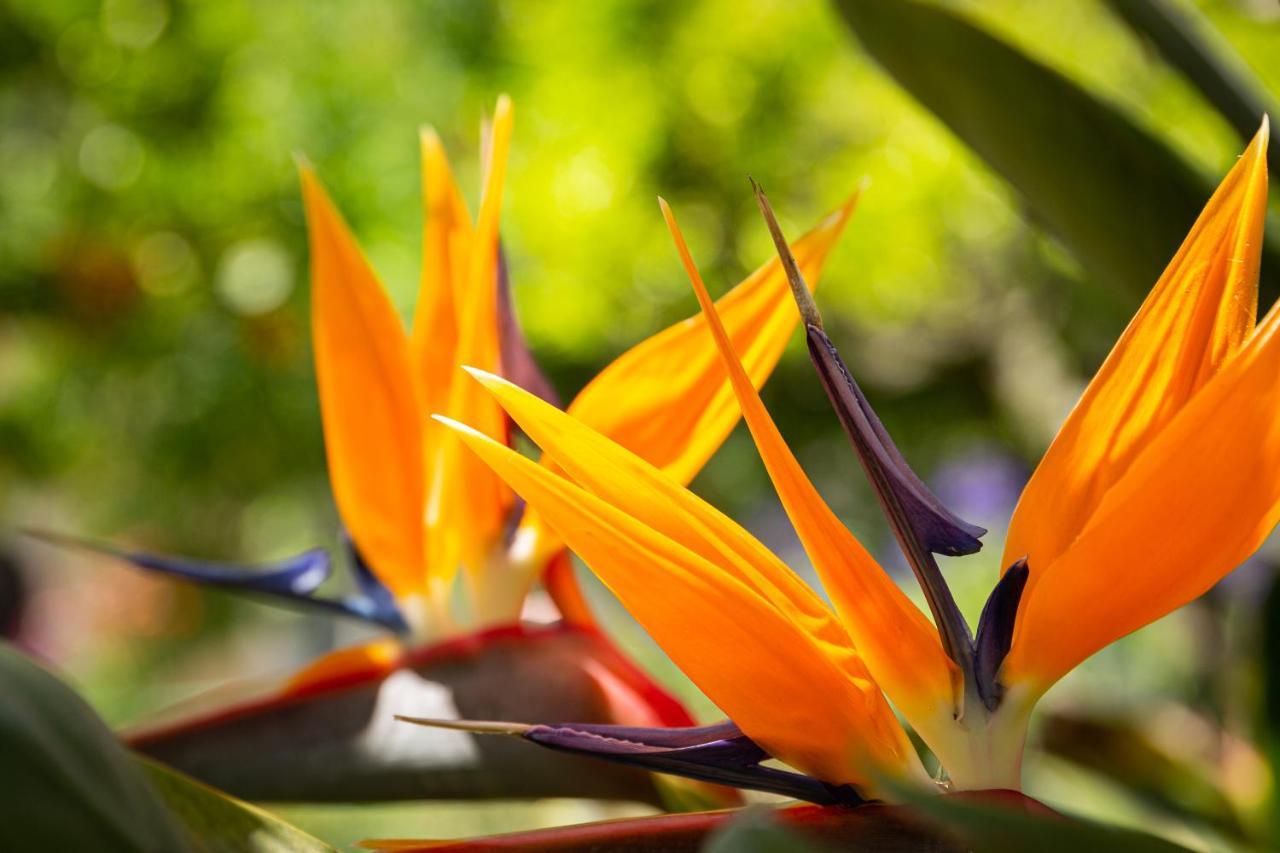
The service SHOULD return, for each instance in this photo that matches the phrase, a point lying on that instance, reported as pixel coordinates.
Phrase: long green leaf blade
(1188, 45)
(1116, 196)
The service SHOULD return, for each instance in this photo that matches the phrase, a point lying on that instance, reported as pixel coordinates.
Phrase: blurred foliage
(1129, 197)
(66, 782)
(987, 828)
(219, 823)
(155, 376)
(1169, 776)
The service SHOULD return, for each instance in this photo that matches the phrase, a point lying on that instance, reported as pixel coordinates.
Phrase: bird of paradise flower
(439, 546)
(1161, 481)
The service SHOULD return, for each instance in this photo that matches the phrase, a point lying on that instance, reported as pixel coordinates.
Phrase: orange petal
(372, 429)
(1200, 312)
(1197, 501)
(630, 484)
(446, 243)
(761, 668)
(668, 399)
(467, 505)
(345, 666)
(898, 644)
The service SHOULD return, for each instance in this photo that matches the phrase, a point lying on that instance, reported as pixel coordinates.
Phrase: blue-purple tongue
(294, 579)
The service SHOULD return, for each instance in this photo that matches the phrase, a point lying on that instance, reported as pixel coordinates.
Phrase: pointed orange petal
(1199, 313)
(630, 484)
(345, 666)
(372, 429)
(446, 243)
(467, 505)
(1195, 504)
(763, 670)
(668, 399)
(898, 644)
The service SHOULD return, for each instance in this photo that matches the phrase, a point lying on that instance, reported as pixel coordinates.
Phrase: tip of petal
(503, 112)
(484, 377)
(432, 151)
(845, 210)
(457, 426)
(1257, 150)
(313, 191)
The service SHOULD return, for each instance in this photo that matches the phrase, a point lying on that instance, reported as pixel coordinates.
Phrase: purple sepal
(518, 364)
(937, 528)
(995, 633)
(720, 754)
(373, 602)
(921, 524)
(293, 580)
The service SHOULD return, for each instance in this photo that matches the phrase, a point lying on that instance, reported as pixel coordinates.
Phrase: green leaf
(1189, 44)
(997, 821)
(1269, 620)
(219, 823)
(992, 828)
(1119, 198)
(1122, 751)
(66, 783)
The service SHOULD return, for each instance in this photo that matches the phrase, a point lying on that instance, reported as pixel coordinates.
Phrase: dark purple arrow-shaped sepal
(719, 753)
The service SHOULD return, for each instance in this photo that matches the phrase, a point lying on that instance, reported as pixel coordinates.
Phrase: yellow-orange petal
(633, 486)
(446, 244)
(668, 399)
(764, 671)
(1197, 501)
(372, 426)
(467, 505)
(897, 643)
(1199, 314)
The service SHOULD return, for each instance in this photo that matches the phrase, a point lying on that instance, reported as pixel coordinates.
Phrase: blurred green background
(155, 377)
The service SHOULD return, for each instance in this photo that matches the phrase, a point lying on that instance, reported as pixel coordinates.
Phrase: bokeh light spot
(585, 184)
(255, 276)
(720, 90)
(164, 263)
(111, 157)
(134, 24)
